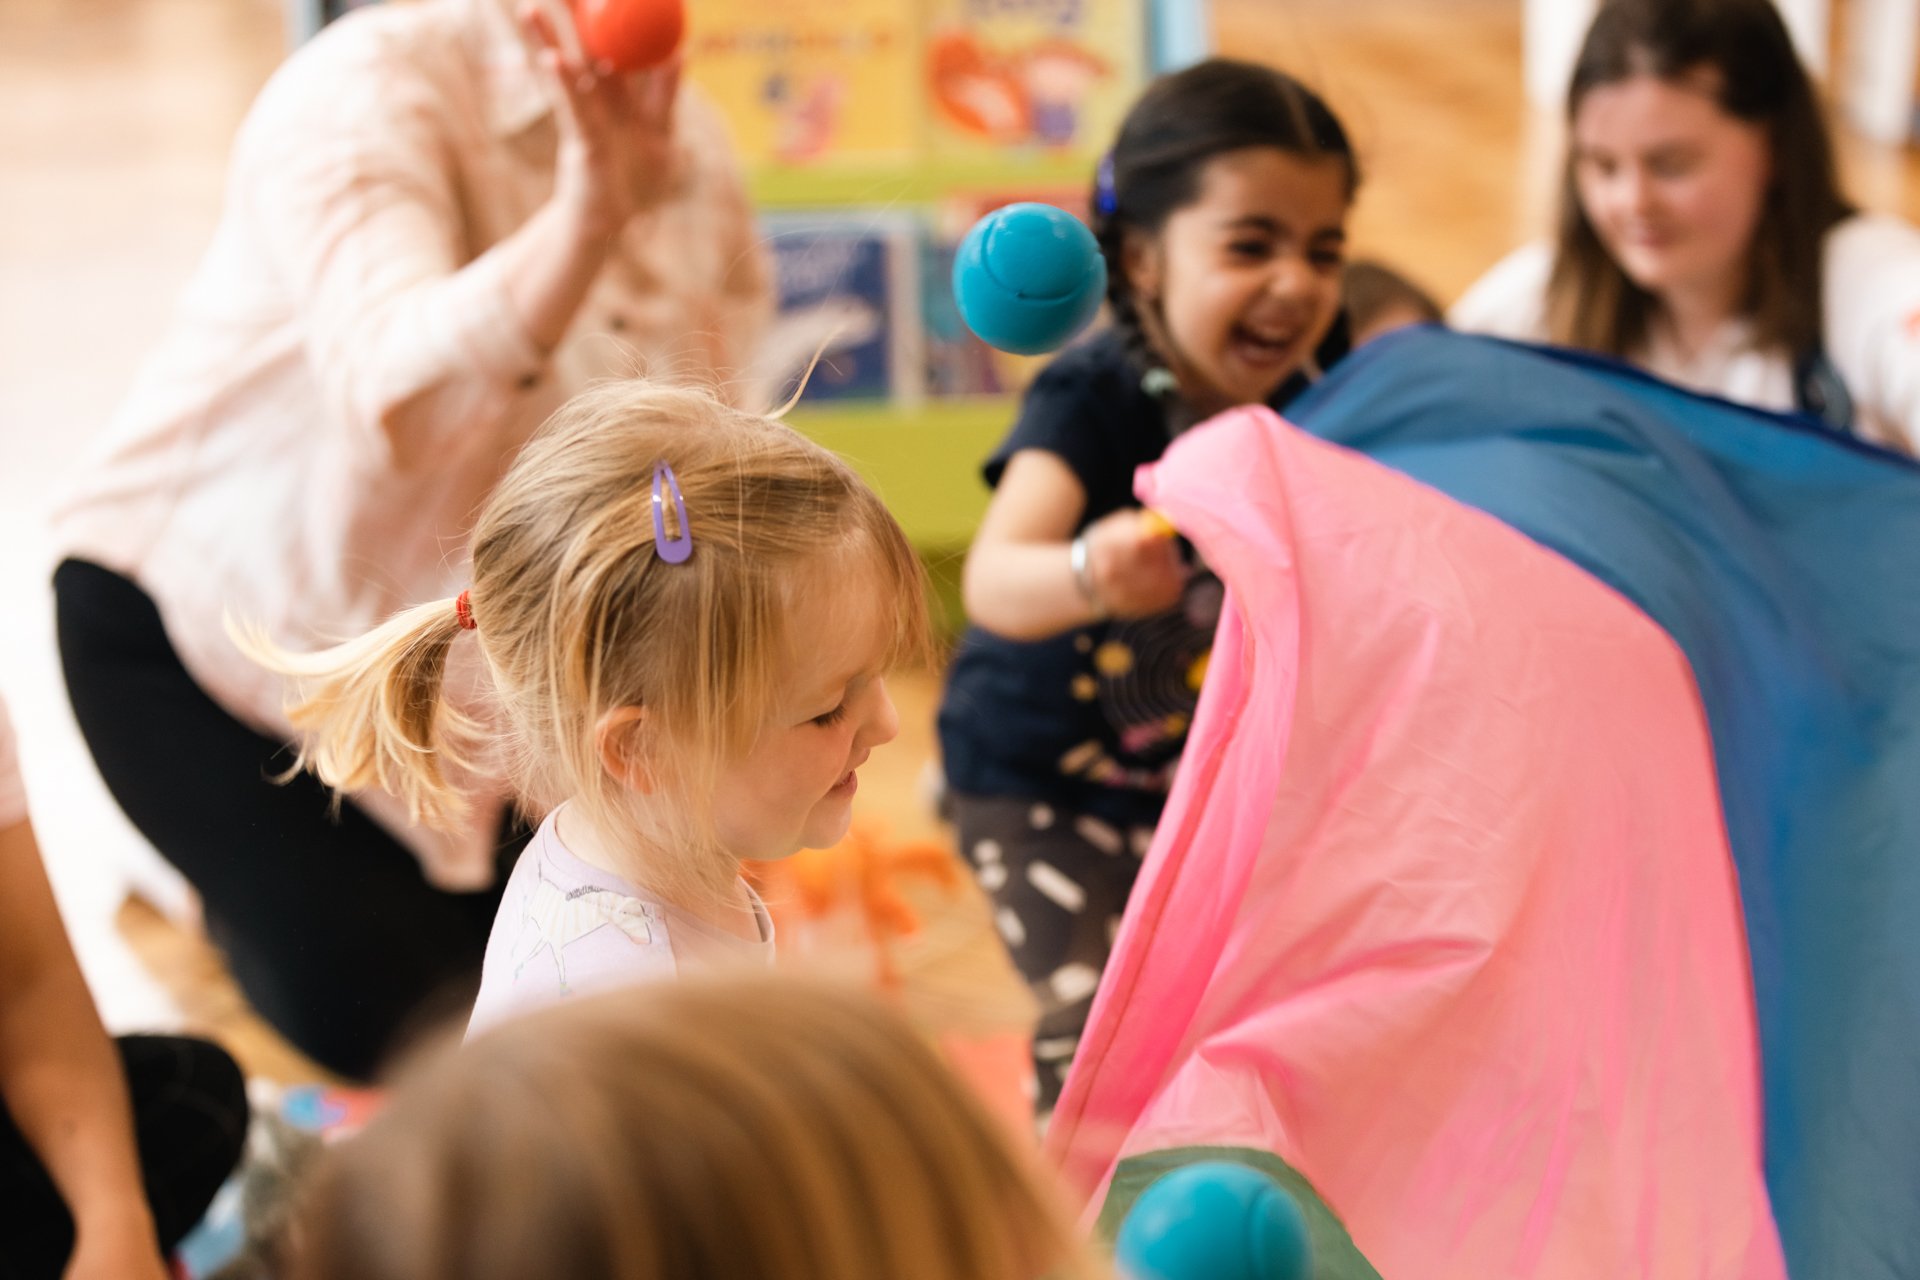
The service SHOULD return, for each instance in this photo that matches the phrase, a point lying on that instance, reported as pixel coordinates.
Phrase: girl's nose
(1292, 277)
(882, 724)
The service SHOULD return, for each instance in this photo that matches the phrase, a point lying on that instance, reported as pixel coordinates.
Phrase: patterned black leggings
(1058, 881)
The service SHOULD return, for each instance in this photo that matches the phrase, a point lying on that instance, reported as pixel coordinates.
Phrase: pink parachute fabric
(1441, 912)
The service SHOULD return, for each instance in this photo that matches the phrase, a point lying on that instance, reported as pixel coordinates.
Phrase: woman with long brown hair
(1703, 234)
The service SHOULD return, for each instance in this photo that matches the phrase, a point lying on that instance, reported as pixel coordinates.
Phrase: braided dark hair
(1181, 122)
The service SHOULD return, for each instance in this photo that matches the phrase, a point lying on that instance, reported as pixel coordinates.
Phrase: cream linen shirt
(344, 382)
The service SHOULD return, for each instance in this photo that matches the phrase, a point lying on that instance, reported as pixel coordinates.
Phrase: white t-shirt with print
(565, 927)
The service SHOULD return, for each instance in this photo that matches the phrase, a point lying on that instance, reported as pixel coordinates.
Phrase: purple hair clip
(1105, 198)
(673, 550)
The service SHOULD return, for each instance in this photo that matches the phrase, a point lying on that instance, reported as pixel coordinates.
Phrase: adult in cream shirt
(438, 225)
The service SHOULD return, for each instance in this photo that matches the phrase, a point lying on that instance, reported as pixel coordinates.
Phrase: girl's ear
(1143, 262)
(624, 741)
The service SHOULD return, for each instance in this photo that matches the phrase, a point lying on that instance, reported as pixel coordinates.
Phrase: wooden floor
(115, 119)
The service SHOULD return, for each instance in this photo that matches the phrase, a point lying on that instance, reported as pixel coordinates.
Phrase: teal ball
(1029, 277)
(1215, 1221)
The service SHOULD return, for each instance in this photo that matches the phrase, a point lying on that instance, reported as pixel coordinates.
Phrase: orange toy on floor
(857, 883)
(862, 871)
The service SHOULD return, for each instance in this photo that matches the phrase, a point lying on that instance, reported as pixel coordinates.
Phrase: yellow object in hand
(1158, 525)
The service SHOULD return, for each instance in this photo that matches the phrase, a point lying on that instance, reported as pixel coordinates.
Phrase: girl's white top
(566, 927)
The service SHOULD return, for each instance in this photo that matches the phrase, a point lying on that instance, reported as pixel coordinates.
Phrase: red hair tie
(463, 610)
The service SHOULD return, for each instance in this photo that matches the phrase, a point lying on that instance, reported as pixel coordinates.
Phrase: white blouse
(1871, 295)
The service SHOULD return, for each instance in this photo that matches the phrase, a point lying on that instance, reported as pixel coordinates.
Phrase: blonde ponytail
(373, 712)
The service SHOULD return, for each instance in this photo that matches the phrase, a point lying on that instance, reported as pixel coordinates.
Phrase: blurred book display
(848, 287)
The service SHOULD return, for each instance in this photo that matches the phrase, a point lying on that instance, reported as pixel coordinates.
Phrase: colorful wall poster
(812, 85)
(1013, 76)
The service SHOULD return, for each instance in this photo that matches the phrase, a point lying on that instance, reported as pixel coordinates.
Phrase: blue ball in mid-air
(1218, 1221)
(1028, 277)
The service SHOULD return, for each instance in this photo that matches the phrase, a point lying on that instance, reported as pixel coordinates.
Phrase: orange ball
(632, 35)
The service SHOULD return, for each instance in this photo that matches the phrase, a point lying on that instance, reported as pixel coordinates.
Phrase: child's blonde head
(580, 620)
(747, 1128)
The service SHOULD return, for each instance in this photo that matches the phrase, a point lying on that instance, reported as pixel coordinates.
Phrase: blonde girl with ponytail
(686, 613)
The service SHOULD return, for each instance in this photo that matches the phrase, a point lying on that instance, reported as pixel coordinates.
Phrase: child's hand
(617, 155)
(1135, 567)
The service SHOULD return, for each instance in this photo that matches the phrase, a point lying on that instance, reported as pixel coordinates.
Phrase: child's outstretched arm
(1021, 580)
